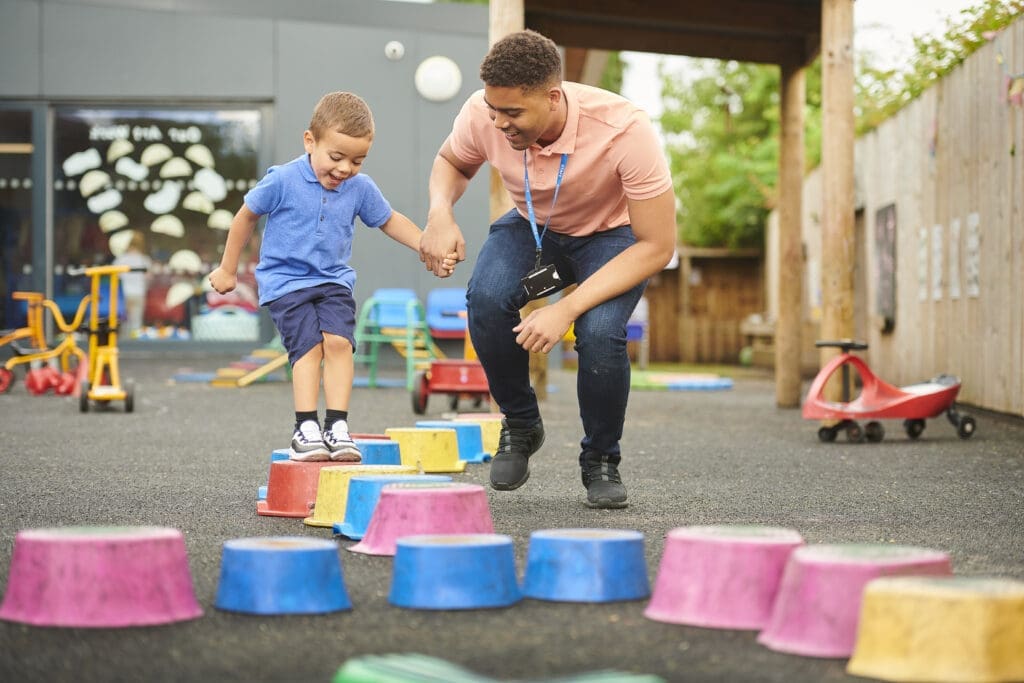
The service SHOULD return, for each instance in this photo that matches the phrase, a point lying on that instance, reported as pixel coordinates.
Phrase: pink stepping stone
(416, 508)
(99, 577)
(722, 576)
(818, 606)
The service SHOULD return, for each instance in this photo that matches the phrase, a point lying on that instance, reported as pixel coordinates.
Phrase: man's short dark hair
(524, 59)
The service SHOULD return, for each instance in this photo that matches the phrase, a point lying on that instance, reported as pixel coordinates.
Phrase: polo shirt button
(325, 200)
(321, 219)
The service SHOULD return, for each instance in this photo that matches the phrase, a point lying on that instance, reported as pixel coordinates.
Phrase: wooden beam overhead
(759, 17)
(765, 31)
(572, 33)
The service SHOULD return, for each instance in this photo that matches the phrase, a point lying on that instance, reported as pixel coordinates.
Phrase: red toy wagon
(879, 400)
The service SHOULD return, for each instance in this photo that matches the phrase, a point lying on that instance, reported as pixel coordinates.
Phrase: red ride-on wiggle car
(879, 400)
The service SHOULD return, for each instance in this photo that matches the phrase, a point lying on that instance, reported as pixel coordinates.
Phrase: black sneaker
(604, 485)
(510, 467)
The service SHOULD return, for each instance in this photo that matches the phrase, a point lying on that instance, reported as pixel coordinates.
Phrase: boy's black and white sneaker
(308, 443)
(340, 445)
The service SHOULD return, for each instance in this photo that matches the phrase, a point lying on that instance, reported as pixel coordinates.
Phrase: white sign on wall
(954, 259)
(922, 264)
(972, 256)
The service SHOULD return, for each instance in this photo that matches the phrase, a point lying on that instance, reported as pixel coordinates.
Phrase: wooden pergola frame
(789, 33)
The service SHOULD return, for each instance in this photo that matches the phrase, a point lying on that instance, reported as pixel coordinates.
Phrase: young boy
(303, 274)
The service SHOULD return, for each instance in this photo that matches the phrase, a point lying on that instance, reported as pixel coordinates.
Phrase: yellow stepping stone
(433, 450)
(969, 630)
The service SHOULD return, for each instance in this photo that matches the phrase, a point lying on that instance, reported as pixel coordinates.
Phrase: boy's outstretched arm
(404, 231)
(224, 278)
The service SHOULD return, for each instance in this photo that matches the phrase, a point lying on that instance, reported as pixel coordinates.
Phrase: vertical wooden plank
(837, 251)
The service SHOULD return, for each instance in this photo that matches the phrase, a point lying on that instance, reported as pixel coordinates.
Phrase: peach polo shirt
(613, 149)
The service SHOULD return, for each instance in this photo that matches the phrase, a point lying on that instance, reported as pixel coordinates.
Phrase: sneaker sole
(347, 456)
(308, 456)
(502, 486)
(605, 504)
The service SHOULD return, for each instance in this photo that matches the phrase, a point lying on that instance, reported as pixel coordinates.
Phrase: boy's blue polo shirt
(308, 237)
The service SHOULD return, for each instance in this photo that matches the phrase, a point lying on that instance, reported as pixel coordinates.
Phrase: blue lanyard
(529, 200)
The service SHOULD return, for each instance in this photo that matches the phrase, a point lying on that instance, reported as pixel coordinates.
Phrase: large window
(15, 213)
(156, 189)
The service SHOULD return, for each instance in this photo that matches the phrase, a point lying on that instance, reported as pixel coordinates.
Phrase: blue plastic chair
(394, 316)
(446, 313)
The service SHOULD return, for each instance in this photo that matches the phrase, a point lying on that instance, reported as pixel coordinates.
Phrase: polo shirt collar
(306, 167)
(566, 142)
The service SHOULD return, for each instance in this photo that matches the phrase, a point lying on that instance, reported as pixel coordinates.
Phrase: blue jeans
(495, 296)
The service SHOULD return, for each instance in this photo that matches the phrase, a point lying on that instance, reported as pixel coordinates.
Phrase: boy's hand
(223, 281)
(448, 265)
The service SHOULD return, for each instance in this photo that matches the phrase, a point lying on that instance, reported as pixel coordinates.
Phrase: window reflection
(15, 213)
(156, 189)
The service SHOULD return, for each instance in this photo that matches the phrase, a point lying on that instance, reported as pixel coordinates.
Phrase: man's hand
(542, 329)
(223, 281)
(442, 240)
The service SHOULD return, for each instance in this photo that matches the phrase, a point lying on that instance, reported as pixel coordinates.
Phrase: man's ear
(554, 97)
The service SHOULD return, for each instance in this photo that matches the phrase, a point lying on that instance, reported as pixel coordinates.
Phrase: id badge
(541, 281)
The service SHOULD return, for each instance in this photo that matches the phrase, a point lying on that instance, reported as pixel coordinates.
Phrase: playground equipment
(44, 361)
(396, 317)
(465, 378)
(32, 332)
(913, 403)
(103, 381)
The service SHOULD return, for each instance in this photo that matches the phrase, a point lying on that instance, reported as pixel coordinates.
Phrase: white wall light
(394, 50)
(438, 79)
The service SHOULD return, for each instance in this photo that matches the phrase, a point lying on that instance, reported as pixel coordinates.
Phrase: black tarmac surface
(191, 457)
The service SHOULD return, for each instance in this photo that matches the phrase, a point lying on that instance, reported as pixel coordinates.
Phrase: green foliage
(722, 130)
(883, 92)
(722, 125)
(611, 79)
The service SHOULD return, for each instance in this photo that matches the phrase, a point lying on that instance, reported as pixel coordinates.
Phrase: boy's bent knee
(336, 345)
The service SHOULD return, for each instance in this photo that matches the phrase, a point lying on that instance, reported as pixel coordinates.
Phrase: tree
(722, 124)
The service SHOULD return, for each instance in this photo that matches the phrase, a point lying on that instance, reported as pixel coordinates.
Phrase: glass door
(16, 212)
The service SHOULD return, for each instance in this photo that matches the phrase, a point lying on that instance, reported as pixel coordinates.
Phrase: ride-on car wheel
(83, 397)
(420, 393)
(913, 428)
(6, 379)
(965, 429)
(826, 434)
(874, 431)
(129, 397)
(854, 433)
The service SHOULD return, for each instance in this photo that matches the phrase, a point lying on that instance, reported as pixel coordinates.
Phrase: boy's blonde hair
(343, 112)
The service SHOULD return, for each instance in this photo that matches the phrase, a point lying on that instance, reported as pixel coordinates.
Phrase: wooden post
(837, 134)
(508, 16)
(791, 260)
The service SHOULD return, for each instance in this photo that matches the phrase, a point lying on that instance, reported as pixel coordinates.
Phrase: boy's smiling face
(335, 157)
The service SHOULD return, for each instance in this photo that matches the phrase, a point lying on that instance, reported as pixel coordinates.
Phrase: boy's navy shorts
(303, 315)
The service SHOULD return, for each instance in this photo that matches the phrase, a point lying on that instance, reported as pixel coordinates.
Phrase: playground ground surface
(191, 457)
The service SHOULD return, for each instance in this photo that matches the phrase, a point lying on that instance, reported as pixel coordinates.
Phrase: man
(594, 206)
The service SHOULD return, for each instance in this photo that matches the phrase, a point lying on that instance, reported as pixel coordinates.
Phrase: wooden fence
(939, 284)
(696, 310)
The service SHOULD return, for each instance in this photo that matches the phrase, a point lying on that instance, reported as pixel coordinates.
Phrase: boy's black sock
(333, 416)
(302, 416)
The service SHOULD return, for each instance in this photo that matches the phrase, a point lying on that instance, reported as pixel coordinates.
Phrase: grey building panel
(425, 17)
(91, 51)
(19, 36)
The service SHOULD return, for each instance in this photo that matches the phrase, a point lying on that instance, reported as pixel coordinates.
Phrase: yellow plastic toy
(103, 382)
(33, 332)
(41, 379)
